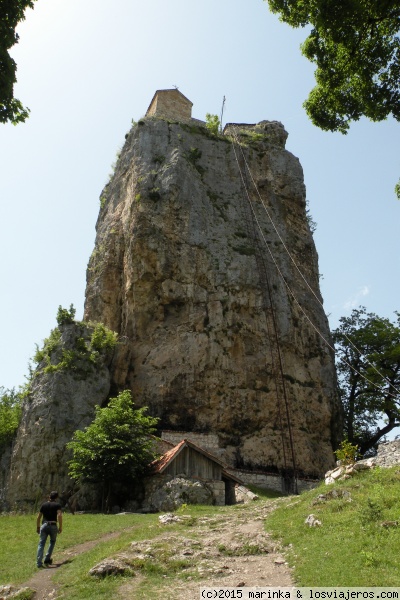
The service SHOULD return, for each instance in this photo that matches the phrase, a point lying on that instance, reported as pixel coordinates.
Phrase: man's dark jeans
(46, 530)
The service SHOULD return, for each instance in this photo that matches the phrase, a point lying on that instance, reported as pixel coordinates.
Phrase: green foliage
(346, 453)
(94, 340)
(254, 136)
(116, 447)
(103, 200)
(311, 223)
(65, 316)
(194, 155)
(50, 345)
(154, 193)
(213, 123)
(370, 512)
(368, 366)
(397, 189)
(352, 548)
(11, 13)
(355, 47)
(10, 415)
(102, 338)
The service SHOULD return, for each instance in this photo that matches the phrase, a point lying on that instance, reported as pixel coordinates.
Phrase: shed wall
(194, 464)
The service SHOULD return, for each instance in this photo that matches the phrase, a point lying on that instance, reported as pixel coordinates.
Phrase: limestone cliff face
(58, 404)
(177, 272)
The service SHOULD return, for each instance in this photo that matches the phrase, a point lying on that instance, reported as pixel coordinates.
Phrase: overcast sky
(87, 67)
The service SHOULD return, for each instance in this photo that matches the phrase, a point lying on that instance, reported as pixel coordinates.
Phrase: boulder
(177, 491)
(111, 566)
(312, 521)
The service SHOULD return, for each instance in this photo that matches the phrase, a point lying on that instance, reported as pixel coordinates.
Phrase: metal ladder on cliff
(289, 471)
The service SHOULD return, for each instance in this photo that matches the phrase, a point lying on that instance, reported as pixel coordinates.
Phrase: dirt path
(42, 581)
(231, 550)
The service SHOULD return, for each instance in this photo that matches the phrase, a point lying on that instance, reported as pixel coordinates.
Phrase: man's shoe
(49, 561)
(40, 566)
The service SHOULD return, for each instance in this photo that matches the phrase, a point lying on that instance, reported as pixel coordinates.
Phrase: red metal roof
(158, 466)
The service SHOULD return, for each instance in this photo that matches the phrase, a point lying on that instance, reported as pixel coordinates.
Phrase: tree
(355, 45)
(11, 13)
(117, 446)
(65, 316)
(213, 123)
(368, 366)
(10, 415)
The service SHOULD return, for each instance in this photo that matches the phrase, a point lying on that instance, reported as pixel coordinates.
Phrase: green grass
(351, 548)
(264, 494)
(74, 577)
(19, 538)
(77, 584)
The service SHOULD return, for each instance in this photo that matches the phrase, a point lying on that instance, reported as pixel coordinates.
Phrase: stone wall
(163, 492)
(271, 481)
(170, 104)
(218, 490)
(207, 441)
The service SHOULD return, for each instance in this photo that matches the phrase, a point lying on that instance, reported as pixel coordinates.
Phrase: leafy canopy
(65, 316)
(368, 366)
(355, 45)
(10, 415)
(117, 446)
(11, 13)
(81, 352)
(213, 123)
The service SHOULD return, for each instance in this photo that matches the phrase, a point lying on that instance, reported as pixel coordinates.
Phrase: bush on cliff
(10, 415)
(82, 352)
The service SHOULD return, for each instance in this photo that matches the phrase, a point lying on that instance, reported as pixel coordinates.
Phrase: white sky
(87, 67)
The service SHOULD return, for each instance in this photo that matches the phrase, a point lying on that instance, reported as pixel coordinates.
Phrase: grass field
(352, 548)
(19, 538)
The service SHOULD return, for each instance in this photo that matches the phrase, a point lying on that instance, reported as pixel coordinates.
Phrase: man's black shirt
(49, 510)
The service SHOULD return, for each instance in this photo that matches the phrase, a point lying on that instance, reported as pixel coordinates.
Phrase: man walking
(50, 512)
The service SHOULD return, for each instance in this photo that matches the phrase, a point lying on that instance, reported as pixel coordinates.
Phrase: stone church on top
(170, 104)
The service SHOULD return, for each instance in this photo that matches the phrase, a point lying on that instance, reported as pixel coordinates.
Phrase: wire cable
(377, 386)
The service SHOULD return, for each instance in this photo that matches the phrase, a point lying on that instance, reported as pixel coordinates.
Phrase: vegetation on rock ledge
(82, 351)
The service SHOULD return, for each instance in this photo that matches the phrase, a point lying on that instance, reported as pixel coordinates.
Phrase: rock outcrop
(61, 400)
(201, 256)
(388, 455)
(180, 270)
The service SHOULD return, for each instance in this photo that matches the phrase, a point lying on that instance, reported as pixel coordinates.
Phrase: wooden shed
(195, 463)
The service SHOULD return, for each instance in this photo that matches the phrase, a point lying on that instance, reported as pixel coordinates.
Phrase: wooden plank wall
(194, 464)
